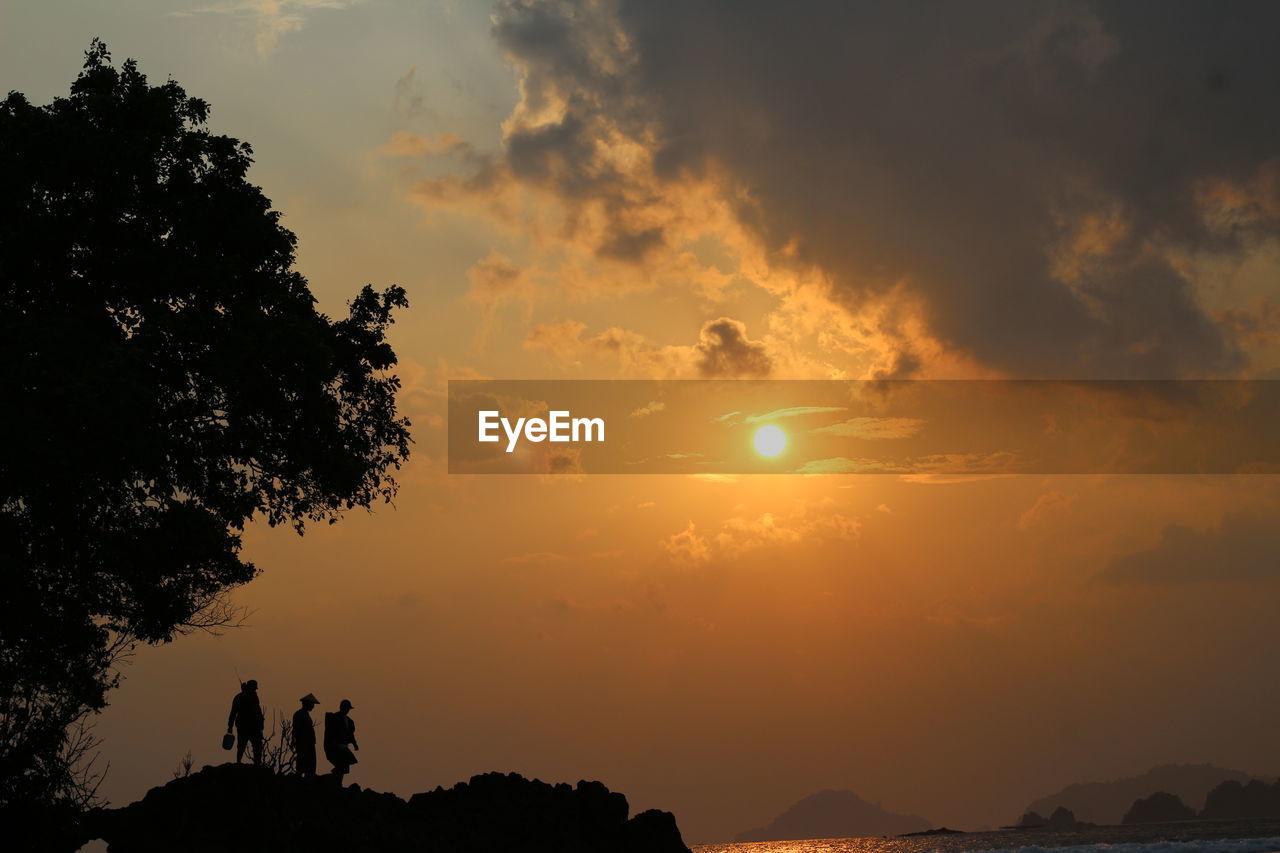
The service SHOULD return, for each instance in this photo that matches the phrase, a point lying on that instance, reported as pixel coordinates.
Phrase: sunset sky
(593, 189)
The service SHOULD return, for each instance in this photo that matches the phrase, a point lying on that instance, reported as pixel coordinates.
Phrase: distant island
(1108, 802)
(247, 808)
(1061, 819)
(942, 830)
(1160, 807)
(1237, 796)
(834, 814)
(1234, 801)
(1229, 801)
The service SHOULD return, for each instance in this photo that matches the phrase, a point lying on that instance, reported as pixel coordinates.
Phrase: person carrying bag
(340, 738)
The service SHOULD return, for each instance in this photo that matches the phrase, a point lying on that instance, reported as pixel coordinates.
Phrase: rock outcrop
(246, 809)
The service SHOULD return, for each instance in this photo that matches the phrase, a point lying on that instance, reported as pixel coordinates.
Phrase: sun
(769, 440)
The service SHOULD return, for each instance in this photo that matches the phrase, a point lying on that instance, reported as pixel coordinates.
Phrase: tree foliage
(165, 377)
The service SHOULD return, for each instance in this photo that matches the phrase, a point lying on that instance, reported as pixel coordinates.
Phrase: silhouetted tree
(278, 752)
(164, 378)
(184, 766)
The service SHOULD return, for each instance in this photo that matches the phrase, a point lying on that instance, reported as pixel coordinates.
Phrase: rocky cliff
(246, 809)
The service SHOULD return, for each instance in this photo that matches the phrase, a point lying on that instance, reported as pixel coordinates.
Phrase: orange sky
(582, 190)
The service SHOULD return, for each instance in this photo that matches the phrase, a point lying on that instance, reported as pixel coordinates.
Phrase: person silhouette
(304, 737)
(246, 716)
(340, 738)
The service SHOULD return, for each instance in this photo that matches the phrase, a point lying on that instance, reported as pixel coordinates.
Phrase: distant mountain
(1107, 802)
(834, 814)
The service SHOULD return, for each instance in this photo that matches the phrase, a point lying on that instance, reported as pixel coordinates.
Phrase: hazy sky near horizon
(599, 189)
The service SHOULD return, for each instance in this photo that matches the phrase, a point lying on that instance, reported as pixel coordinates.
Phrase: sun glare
(770, 440)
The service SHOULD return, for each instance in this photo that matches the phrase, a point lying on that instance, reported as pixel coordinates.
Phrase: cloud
(999, 184)
(1244, 547)
(650, 408)
(808, 522)
(409, 102)
(403, 143)
(723, 350)
(633, 353)
(845, 465)
(271, 19)
(792, 412)
(1049, 503)
(495, 279)
(937, 464)
(874, 428)
(537, 558)
(687, 546)
(560, 461)
(812, 523)
(1259, 320)
(719, 479)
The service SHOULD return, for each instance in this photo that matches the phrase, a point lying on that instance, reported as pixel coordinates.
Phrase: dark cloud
(725, 351)
(495, 278)
(1261, 320)
(1245, 548)
(562, 461)
(961, 149)
(409, 101)
(632, 245)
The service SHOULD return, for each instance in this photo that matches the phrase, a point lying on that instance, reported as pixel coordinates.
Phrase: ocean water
(1235, 836)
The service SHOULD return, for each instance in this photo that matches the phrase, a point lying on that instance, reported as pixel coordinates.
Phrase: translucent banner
(963, 427)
